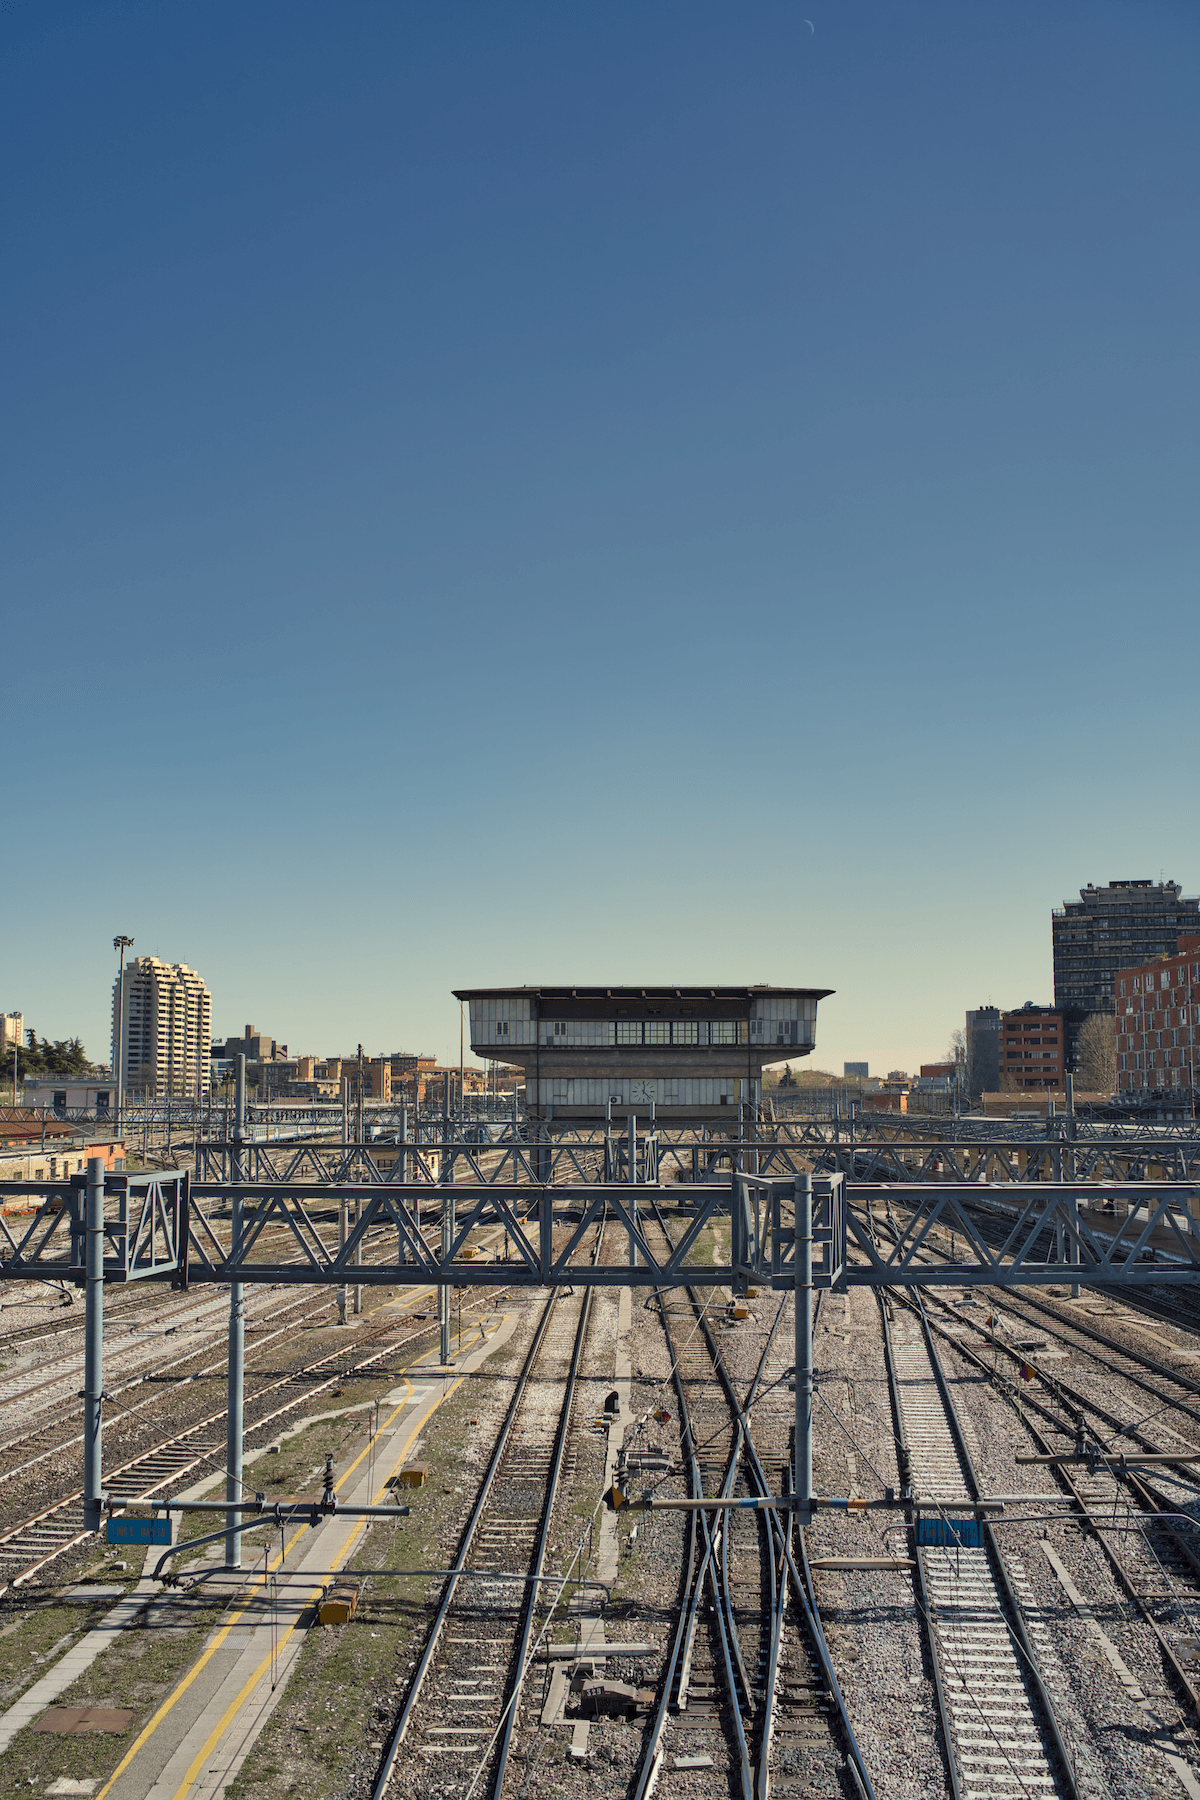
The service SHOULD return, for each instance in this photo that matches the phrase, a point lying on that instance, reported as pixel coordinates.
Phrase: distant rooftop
(753, 992)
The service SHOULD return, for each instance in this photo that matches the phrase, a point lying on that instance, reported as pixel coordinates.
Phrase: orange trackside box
(339, 1606)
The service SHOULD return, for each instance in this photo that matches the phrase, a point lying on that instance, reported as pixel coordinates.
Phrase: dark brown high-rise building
(1107, 929)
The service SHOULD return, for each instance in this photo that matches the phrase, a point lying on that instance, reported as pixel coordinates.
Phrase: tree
(956, 1053)
(65, 1056)
(1096, 1054)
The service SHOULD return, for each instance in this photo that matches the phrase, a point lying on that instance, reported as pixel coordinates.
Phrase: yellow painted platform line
(239, 1700)
(178, 1692)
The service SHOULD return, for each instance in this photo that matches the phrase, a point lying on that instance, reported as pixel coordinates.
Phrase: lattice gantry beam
(956, 1235)
(146, 1229)
(528, 1235)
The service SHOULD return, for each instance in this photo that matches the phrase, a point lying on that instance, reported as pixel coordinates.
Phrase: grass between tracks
(136, 1673)
(148, 1659)
(327, 1735)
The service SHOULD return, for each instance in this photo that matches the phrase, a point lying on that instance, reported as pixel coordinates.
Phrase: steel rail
(1014, 1298)
(924, 1600)
(767, 1541)
(529, 1607)
(218, 1331)
(1016, 1616)
(126, 1412)
(466, 1543)
(1015, 1622)
(1153, 1502)
(1055, 1384)
(775, 1563)
(1083, 1404)
(801, 1578)
(652, 1751)
(690, 1613)
(73, 1539)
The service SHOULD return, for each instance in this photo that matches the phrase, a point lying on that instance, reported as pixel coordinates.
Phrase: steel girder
(157, 1228)
(1153, 1237)
(405, 1221)
(146, 1229)
(430, 1162)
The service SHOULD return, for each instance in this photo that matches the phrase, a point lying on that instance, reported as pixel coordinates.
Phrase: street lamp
(120, 944)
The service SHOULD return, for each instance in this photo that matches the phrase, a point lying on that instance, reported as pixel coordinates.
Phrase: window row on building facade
(633, 1091)
(599, 1034)
(1157, 1018)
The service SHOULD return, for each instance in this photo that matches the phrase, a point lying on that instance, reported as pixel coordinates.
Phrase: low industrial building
(34, 1148)
(690, 1055)
(71, 1093)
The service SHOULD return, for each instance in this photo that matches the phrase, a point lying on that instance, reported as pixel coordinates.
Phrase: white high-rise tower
(162, 1028)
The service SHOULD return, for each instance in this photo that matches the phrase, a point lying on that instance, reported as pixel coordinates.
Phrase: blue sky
(648, 491)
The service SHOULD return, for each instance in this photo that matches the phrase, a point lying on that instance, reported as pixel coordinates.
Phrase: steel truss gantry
(1024, 1160)
(801, 1232)
(778, 1151)
(165, 1226)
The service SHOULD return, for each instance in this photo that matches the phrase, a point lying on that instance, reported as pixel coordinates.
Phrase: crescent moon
(811, 26)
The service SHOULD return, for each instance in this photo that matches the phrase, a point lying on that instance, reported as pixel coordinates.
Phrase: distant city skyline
(424, 1025)
(641, 493)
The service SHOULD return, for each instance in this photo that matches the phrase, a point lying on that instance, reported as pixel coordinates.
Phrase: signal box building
(693, 1054)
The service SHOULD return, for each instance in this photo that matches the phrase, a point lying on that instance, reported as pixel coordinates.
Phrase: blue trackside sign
(139, 1531)
(967, 1532)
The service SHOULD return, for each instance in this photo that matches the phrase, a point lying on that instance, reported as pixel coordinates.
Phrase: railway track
(472, 1667)
(131, 1340)
(157, 1370)
(748, 1683)
(1177, 1391)
(28, 1545)
(27, 1548)
(1154, 1556)
(803, 1740)
(999, 1725)
(706, 1697)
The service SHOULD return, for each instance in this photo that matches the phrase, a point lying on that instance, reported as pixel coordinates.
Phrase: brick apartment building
(1032, 1048)
(1157, 1018)
(1108, 931)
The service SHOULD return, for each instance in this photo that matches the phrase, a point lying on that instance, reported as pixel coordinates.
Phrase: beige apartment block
(162, 1028)
(12, 1031)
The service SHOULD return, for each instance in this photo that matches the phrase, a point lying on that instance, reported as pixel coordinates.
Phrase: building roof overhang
(755, 992)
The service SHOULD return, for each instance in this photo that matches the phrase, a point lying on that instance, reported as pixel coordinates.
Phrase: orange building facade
(1032, 1048)
(1157, 1019)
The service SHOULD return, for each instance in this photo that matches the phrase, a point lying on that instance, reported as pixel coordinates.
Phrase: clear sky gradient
(646, 491)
